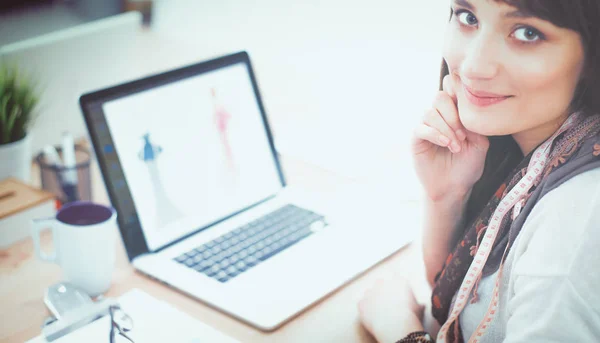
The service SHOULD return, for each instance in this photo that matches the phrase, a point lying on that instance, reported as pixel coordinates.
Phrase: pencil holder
(53, 177)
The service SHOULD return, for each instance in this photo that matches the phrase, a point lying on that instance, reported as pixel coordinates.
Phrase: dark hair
(582, 16)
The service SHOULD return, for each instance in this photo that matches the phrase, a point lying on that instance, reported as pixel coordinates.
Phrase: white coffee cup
(84, 244)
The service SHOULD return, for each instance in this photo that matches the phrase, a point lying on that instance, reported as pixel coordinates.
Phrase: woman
(509, 157)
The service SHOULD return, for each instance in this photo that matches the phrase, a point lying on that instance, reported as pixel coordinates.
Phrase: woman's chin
(478, 123)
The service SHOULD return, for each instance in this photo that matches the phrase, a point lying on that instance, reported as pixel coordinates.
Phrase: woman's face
(514, 73)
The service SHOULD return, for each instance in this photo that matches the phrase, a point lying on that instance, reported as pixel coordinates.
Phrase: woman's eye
(466, 18)
(527, 34)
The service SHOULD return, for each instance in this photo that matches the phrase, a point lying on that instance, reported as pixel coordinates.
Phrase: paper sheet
(153, 321)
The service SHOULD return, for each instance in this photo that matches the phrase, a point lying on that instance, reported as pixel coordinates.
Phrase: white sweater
(550, 287)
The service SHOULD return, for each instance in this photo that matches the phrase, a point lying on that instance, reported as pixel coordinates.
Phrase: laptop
(189, 163)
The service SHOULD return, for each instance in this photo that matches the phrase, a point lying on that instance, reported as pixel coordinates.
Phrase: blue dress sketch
(166, 212)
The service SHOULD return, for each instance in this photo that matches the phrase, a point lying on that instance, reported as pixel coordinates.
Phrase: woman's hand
(448, 158)
(389, 310)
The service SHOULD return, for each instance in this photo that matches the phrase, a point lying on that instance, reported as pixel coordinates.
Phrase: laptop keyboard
(229, 255)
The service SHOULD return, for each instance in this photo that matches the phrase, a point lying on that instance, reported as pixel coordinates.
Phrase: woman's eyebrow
(465, 3)
(519, 13)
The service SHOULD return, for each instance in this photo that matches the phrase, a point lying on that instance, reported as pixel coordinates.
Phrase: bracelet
(417, 337)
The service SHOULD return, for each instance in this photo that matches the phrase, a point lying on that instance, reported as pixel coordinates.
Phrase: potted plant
(18, 100)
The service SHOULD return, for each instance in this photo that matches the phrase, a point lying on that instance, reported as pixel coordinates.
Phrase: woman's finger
(449, 112)
(424, 133)
(434, 119)
(448, 87)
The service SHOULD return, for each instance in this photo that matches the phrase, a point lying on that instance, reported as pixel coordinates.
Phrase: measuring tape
(534, 171)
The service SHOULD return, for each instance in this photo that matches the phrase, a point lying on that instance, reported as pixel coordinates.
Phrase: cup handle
(38, 225)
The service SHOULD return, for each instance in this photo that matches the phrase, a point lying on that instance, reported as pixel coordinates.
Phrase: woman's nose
(481, 59)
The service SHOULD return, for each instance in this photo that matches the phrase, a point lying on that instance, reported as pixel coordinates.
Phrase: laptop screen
(191, 152)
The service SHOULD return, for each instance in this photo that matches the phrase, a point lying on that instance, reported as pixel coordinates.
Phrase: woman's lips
(482, 99)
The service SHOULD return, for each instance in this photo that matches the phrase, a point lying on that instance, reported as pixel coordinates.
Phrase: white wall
(342, 80)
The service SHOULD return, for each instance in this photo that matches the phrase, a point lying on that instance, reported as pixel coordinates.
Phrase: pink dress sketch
(221, 120)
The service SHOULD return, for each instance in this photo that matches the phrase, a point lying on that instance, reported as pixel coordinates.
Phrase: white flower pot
(15, 160)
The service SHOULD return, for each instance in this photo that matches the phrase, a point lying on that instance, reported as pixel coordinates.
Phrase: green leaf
(4, 109)
(12, 118)
(18, 101)
(4, 134)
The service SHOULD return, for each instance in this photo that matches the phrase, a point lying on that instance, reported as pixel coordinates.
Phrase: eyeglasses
(120, 323)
